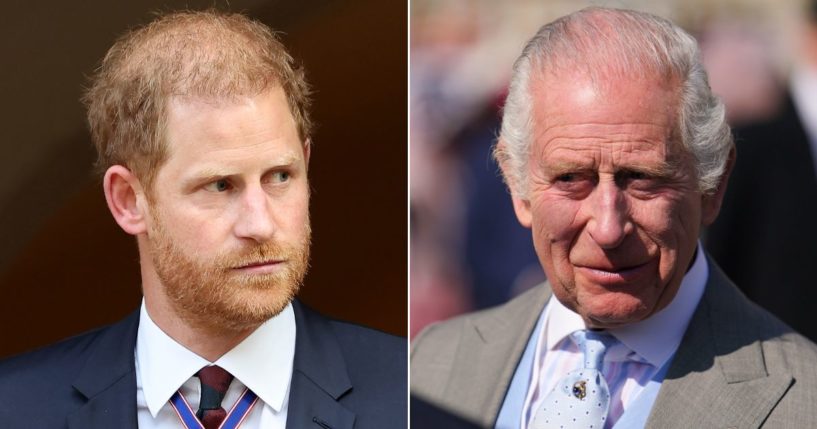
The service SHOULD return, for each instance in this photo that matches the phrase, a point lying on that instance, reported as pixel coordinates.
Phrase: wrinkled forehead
(620, 120)
(561, 100)
(590, 94)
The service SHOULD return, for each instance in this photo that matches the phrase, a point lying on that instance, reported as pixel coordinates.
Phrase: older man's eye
(630, 175)
(575, 185)
(637, 180)
(220, 185)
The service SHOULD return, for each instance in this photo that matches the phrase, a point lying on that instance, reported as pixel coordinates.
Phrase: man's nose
(610, 220)
(255, 218)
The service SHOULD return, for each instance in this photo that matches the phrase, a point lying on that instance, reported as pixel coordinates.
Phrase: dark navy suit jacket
(344, 376)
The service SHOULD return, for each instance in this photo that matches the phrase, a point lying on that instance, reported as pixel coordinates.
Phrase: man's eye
(280, 176)
(636, 175)
(575, 184)
(218, 186)
(625, 177)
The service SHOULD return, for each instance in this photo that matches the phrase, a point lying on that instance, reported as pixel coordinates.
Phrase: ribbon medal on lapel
(580, 389)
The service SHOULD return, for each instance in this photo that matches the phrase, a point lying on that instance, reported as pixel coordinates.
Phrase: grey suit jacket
(737, 365)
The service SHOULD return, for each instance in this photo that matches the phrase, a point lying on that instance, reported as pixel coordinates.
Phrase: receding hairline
(211, 42)
(604, 85)
(593, 45)
(604, 43)
(207, 54)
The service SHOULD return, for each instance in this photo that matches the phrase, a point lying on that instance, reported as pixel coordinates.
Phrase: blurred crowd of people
(467, 249)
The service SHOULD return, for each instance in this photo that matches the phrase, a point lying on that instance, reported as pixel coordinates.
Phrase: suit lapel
(493, 346)
(108, 380)
(718, 377)
(319, 377)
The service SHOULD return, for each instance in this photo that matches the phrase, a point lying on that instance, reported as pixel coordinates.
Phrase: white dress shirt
(642, 349)
(262, 362)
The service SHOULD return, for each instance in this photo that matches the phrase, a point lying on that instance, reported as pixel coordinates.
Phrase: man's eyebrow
(566, 166)
(210, 173)
(662, 169)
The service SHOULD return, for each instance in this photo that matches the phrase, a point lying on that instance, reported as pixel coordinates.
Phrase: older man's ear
(712, 202)
(521, 206)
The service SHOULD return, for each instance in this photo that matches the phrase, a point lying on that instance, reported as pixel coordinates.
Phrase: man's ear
(521, 206)
(124, 193)
(712, 203)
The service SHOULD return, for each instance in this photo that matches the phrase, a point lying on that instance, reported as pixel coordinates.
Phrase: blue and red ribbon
(241, 409)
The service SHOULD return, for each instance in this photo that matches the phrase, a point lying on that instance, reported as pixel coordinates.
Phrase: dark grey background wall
(65, 266)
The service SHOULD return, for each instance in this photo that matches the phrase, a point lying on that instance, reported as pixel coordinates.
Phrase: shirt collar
(262, 361)
(656, 338)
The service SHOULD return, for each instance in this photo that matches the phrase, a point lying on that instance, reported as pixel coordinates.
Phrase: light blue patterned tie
(581, 399)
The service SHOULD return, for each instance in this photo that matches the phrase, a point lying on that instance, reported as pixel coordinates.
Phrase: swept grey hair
(599, 41)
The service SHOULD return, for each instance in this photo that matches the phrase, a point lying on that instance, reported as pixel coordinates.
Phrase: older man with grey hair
(617, 154)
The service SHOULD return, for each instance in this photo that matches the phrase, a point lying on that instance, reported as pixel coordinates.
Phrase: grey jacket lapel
(493, 345)
(718, 377)
(108, 380)
(319, 378)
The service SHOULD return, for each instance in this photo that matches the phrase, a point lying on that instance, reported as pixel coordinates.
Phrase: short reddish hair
(208, 54)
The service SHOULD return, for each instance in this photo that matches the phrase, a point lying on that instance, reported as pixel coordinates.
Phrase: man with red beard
(202, 127)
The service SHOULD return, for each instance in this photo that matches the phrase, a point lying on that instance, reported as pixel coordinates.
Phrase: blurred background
(66, 267)
(467, 249)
